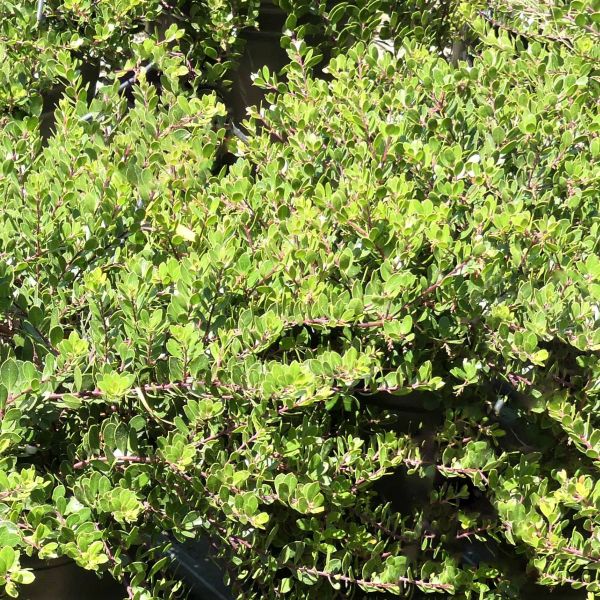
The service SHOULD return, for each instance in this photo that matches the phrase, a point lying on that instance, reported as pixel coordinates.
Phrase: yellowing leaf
(185, 233)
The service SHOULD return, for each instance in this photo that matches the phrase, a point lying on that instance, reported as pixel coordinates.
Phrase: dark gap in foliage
(90, 75)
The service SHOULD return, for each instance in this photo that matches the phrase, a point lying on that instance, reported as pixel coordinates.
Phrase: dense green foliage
(398, 279)
(104, 37)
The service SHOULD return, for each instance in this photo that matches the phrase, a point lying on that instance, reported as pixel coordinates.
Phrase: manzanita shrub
(45, 48)
(398, 279)
(332, 27)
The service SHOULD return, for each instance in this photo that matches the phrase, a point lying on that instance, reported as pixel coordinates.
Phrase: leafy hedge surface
(187, 349)
(103, 37)
(332, 27)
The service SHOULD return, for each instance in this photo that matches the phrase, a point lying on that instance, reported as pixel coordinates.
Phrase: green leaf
(186, 233)
(9, 374)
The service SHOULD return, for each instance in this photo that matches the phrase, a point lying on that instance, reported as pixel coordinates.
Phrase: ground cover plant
(397, 280)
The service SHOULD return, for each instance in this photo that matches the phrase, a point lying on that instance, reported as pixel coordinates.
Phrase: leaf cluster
(397, 280)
